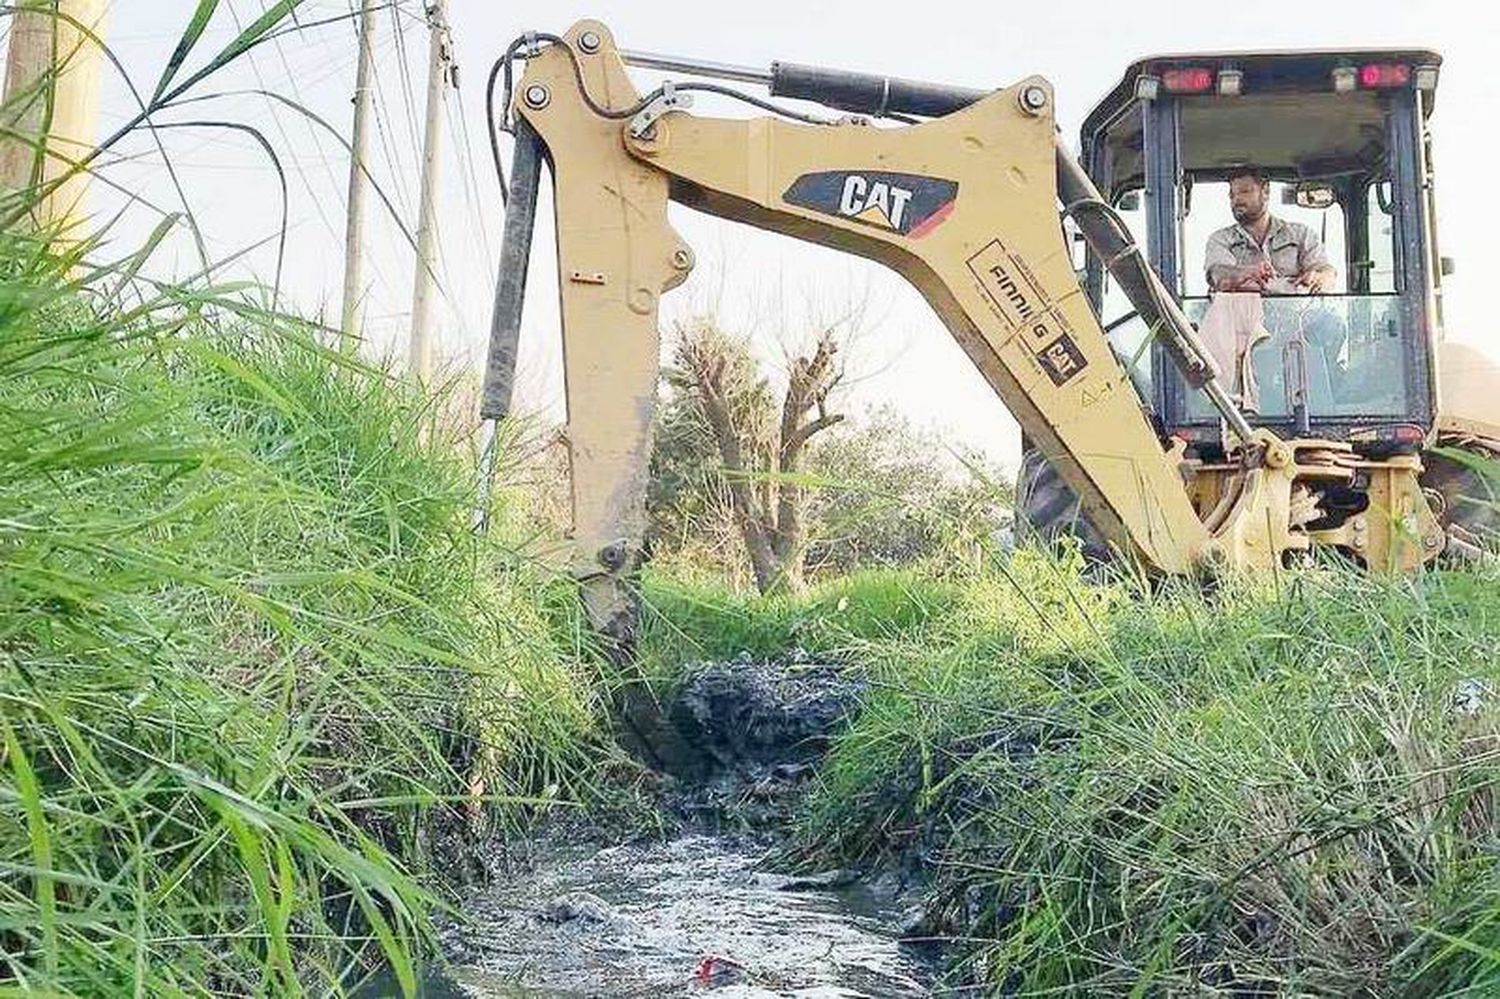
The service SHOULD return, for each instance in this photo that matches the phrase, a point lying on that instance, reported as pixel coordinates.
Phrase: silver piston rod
(697, 67)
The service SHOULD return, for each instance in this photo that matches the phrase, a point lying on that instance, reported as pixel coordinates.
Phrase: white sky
(770, 285)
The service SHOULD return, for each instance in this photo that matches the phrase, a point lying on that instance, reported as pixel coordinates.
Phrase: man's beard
(1246, 216)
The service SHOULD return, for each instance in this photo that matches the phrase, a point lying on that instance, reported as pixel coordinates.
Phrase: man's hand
(1316, 279)
(1250, 277)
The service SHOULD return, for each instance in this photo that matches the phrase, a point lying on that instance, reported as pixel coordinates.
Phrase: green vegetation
(257, 670)
(254, 658)
(250, 648)
(684, 622)
(1288, 790)
(872, 492)
(260, 679)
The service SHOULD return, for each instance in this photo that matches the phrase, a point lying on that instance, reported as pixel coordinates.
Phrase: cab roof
(1287, 71)
(1320, 132)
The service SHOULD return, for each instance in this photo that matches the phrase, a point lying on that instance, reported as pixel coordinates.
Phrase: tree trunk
(807, 388)
(769, 513)
(708, 377)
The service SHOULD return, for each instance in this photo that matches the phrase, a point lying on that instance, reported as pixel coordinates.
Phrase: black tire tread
(1047, 510)
(1471, 498)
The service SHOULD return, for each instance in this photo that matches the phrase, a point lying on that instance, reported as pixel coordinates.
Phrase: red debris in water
(715, 970)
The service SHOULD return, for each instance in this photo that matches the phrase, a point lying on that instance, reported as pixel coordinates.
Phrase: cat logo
(904, 203)
(875, 202)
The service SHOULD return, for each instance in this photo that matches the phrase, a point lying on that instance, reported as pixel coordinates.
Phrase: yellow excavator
(1139, 429)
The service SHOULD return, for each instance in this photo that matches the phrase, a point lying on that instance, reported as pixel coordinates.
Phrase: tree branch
(805, 432)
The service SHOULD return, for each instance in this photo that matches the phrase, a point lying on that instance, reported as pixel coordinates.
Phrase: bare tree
(761, 456)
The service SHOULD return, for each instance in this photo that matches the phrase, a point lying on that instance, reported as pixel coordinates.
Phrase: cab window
(1207, 210)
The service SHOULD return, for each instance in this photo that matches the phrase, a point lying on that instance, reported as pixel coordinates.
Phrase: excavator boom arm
(964, 206)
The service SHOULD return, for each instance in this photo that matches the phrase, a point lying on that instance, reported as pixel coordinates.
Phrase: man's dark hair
(1256, 173)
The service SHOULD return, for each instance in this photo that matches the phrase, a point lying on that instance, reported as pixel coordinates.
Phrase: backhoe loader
(972, 197)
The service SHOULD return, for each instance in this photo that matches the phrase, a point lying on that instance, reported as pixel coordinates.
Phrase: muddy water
(699, 913)
(689, 916)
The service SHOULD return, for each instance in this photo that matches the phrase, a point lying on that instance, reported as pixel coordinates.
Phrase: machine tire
(1047, 510)
(1470, 499)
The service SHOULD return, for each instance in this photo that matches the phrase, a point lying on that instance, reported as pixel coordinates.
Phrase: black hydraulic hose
(494, 127)
(1111, 241)
(1107, 235)
(534, 39)
(510, 285)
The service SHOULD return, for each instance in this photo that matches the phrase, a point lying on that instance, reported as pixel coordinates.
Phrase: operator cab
(1343, 137)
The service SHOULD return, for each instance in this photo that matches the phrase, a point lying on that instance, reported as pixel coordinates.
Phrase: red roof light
(1188, 81)
(1376, 75)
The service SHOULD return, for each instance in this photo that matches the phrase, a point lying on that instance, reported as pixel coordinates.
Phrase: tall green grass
(690, 620)
(255, 667)
(1280, 790)
(250, 648)
(1286, 788)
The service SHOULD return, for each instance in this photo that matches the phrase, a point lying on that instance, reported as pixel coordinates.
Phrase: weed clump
(249, 646)
(1279, 788)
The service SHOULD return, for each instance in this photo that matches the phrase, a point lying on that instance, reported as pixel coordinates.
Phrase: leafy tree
(893, 494)
(757, 455)
(727, 494)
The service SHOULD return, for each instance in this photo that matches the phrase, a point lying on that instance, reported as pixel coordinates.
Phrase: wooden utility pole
(354, 289)
(51, 104)
(439, 75)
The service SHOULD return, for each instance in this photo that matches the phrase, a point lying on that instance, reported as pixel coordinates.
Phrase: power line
(407, 87)
(471, 184)
(276, 118)
(392, 159)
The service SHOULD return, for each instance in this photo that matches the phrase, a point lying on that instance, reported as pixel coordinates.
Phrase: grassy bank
(1283, 790)
(250, 648)
(253, 658)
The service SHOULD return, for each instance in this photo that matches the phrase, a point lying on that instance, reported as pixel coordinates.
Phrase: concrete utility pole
(354, 289)
(439, 75)
(51, 103)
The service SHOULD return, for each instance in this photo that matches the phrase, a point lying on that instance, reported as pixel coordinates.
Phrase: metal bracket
(668, 100)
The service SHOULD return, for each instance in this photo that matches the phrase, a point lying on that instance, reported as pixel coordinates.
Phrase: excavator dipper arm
(964, 206)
